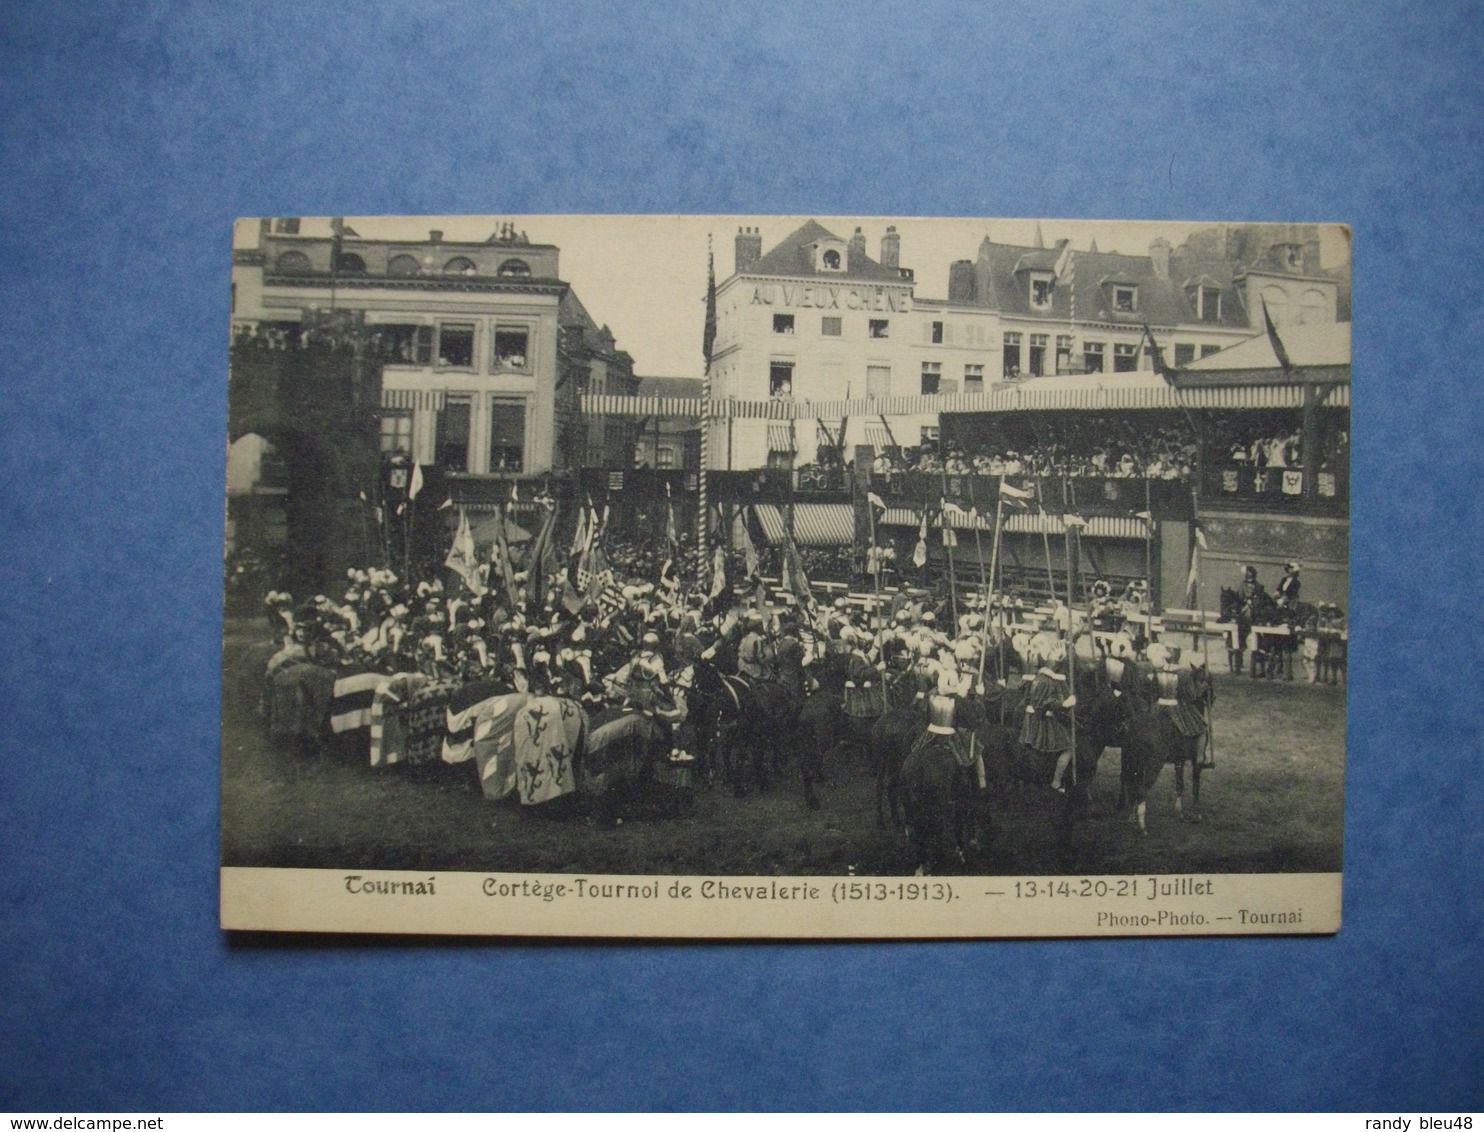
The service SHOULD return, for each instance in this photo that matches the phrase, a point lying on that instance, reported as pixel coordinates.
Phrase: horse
(617, 759)
(1152, 741)
(739, 721)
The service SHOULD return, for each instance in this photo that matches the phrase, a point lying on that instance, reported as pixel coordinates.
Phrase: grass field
(1274, 803)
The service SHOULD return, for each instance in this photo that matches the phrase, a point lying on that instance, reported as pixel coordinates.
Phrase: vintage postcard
(760, 576)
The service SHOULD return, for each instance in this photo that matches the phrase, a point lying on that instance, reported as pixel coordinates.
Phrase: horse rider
(642, 681)
(1251, 594)
(1182, 699)
(1287, 593)
(755, 655)
(1047, 711)
(864, 698)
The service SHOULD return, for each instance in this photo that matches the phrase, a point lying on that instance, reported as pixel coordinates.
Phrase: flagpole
(1070, 502)
(994, 565)
(708, 340)
(874, 559)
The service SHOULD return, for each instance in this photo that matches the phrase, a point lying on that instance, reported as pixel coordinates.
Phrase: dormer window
(1209, 304)
(1125, 299)
(830, 260)
(1042, 283)
(1293, 256)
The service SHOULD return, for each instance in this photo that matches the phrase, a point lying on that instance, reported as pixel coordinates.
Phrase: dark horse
(1270, 661)
(739, 722)
(1154, 740)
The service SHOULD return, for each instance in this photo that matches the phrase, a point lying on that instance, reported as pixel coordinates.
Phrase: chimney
(891, 248)
(961, 288)
(749, 248)
(436, 235)
(1159, 257)
(858, 245)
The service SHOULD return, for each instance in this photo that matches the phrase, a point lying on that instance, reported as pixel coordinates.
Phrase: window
(514, 269)
(402, 266)
(1313, 307)
(1210, 304)
(507, 434)
(1012, 354)
(459, 265)
(451, 444)
(929, 435)
(293, 263)
(1125, 358)
(1125, 299)
(512, 347)
(937, 333)
(456, 344)
(831, 259)
(1092, 357)
(406, 345)
(396, 432)
(1041, 288)
(667, 456)
(780, 379)
(1038, 354)
(286, 226)
(1063, 353)
(783, 324)
(879, 328)
(348, 263)
(932, 377)
(1184, 353)
(1207, 351)
(831, 326)
(973, 378)
(878, 381)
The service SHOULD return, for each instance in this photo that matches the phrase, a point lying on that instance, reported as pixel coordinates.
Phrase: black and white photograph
(789, 576)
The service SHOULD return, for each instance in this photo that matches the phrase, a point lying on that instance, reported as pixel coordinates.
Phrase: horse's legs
(1179, 785)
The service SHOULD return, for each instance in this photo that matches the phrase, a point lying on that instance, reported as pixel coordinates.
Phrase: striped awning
(426, 399)
(815, 524)
(1093, 394)
(781, 438)
(1098, 526)
(877, 437)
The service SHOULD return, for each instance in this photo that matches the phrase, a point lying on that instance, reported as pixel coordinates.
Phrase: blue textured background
(133, 134)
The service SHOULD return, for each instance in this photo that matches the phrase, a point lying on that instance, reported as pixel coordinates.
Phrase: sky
(645, 276)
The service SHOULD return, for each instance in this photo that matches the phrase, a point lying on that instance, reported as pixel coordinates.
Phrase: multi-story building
(485, 348)
(815, 319)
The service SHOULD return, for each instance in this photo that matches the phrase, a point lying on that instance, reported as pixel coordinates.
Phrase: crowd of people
(1099, 445)
(636, 647)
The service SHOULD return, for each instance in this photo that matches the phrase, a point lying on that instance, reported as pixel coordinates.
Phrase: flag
(794, 578)
(708, 335)
(1277, 343)
(544, 563)
(1200, 538)
(953, 510)
(461, 558)
(920, 552)
(1194, 579)
(445, 505)
(415, 484)
(1145, 515)
(875, 500)
(1160, 368)
(1073, 521)
(718, 571)
(1015, 496)
(500, 560)
(1063, 267)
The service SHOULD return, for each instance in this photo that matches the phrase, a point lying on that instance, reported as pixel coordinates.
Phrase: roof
(1002, 282)
(790, 256)
(1308, 344)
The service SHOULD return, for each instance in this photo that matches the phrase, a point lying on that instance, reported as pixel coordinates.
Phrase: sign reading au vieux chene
(832, 297)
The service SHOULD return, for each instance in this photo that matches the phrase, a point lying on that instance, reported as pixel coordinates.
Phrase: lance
(1069, 499)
